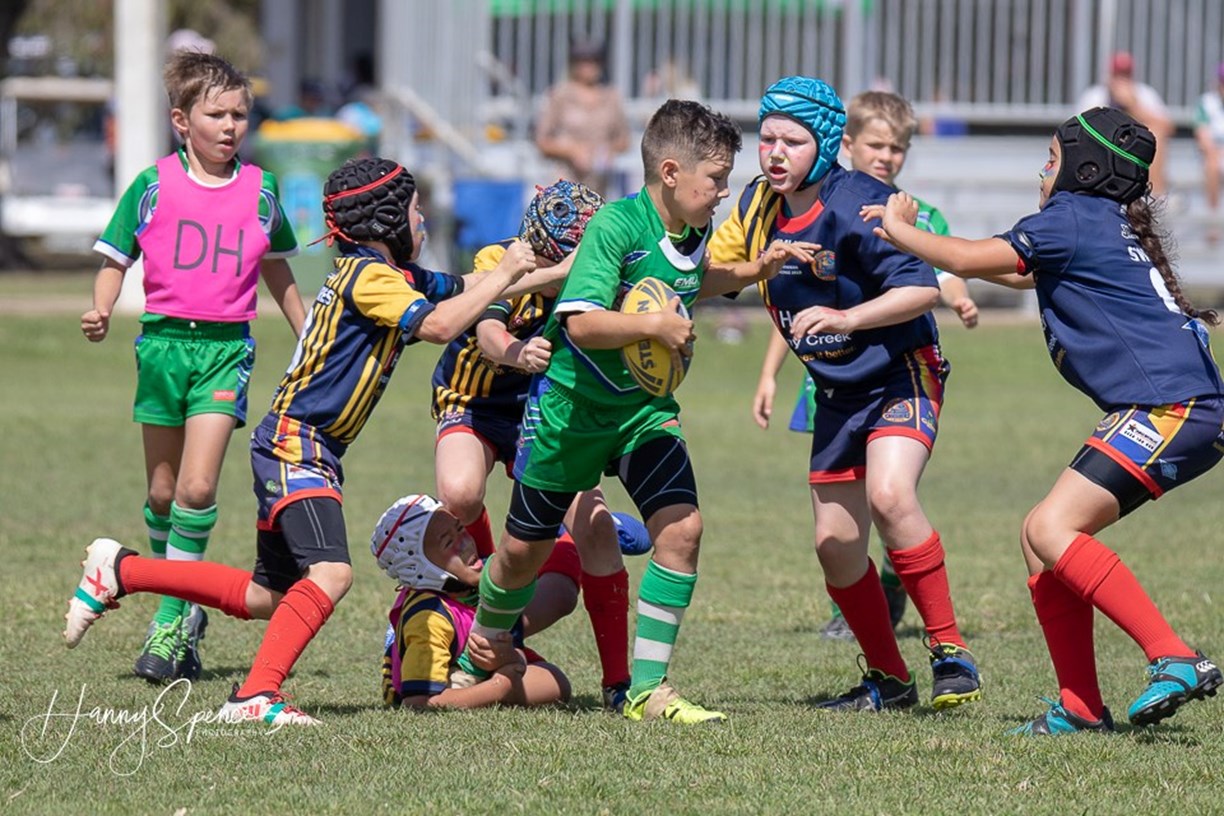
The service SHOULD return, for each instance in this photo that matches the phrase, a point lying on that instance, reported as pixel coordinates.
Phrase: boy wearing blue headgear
(858, 318)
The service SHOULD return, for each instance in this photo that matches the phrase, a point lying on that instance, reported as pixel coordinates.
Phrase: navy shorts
(1164, 446)
(905, 403)
(498, 433)
(290, 462)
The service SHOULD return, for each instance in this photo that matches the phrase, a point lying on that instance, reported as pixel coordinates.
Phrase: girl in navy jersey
(859, 319)
(1119, 329)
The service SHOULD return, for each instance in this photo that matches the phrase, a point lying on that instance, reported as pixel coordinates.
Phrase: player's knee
(891, 502)
(333, 577)
(159, 499)
(462, 498)
(195, 492)
(1041, 534)
(677, 529)
(832, 543)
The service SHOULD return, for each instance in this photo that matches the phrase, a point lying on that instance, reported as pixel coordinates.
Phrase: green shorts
(185, 367)
(568, 441)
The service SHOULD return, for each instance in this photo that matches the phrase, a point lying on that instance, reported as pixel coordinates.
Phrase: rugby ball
(649, 361)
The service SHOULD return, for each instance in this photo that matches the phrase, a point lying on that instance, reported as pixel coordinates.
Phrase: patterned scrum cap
(557, 217)
(816, 106)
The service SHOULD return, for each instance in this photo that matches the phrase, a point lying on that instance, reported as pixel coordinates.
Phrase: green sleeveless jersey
(624, 243)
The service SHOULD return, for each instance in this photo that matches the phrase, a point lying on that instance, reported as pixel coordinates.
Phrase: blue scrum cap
(815, 105)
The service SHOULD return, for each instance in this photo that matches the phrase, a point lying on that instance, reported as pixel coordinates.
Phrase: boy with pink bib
(208, 226)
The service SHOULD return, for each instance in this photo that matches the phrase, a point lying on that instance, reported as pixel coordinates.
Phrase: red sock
(481, 532)
(297, 619)
(1098, 576)
(866, 612)
(922, 573)
(202, 582)
(606, 598)
(1066, 621)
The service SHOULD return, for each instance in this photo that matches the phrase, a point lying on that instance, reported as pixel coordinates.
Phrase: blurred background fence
(457, 84)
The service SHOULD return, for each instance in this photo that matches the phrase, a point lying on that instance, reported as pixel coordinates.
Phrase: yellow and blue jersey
(467, 381)
(852, 266)
(363, 316)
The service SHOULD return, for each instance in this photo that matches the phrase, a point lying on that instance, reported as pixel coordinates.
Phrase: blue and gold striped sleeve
(383, 294)
(427, 639)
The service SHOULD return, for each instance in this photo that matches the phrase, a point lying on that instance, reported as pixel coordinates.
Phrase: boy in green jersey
(586, 416)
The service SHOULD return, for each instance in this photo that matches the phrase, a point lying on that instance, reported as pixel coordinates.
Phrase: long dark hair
(1152, 237)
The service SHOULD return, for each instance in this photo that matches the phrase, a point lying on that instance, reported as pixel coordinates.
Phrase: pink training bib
(203, 246)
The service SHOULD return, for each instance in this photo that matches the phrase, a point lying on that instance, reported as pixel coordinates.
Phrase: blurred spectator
(670, 81)
(1141, 102)
(362, 108)
(583, 123)
(312, 102)
(1209, 134)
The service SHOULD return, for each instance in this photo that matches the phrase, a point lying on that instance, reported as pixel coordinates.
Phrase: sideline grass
(72, 470)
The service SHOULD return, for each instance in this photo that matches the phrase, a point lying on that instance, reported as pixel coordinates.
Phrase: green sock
(888, 573)
(662, 599)
(187, 538)
(499, 610)
(159, 532)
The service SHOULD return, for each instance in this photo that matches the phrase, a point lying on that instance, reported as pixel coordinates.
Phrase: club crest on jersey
(1109, 421)
(634, 257)
(1168, 470)
(898, 410)
(824, 267)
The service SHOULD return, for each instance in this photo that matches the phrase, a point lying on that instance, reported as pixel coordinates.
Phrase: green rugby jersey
(624, 243)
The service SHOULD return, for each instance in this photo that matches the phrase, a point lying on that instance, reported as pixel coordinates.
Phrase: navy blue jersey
(1111, 326)
(363, 316)
(466, 380)
(852, 267)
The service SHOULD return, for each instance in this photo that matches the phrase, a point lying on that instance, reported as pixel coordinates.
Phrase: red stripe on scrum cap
(398, 522)
(366, 187)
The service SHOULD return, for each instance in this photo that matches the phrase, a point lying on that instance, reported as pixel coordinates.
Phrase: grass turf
(72, 470)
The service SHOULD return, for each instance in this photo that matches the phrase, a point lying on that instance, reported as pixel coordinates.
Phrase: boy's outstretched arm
(284, 290)
(453, 315)
(721, 278)
(892, 307)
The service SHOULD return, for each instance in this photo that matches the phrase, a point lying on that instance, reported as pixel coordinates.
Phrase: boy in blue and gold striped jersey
(376, 302)
(858, 319)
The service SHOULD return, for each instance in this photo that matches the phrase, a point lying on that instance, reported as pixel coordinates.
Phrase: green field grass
(72, 470)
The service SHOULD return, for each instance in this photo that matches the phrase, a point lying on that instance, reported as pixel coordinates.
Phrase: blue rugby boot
(1058, 721)
(1174, 681)
(877, 692)
(955, 676)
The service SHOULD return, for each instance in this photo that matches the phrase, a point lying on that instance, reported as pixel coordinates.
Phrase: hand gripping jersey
(624, 243)
(852, 266)
(464, 379)
(362, 318)
(1111, 326)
